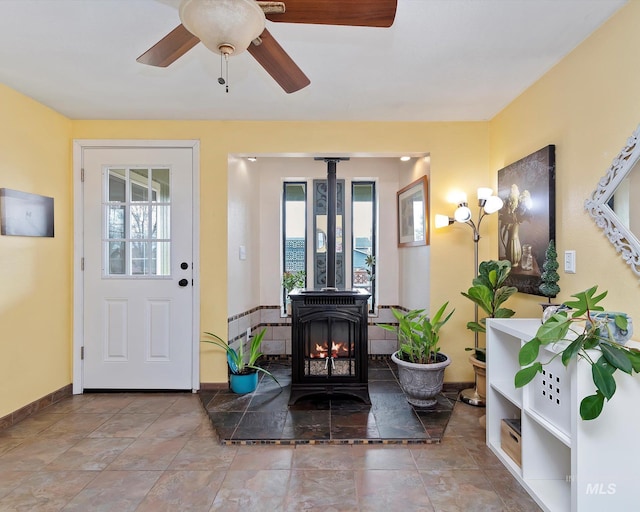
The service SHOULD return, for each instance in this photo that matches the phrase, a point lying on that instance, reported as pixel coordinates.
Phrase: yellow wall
(458, 152)
(35, 273)
(587, 106)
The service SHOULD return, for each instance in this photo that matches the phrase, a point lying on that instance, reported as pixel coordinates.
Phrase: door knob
(183, 282)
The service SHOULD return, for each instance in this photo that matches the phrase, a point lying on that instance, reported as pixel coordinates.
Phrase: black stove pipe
(332, 208)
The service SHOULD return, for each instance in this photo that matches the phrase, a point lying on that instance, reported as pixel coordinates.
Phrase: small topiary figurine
(549, 287)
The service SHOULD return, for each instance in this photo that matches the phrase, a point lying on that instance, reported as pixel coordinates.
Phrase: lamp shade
(221, 24)
(484, 193)
(462, 213)
(443, 221)
(493, 204)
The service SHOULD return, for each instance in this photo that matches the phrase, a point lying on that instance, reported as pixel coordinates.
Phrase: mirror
(612, 205)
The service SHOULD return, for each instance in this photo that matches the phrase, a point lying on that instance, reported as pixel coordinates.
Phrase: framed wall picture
(527, 221)
(24, 214)
(413, 214)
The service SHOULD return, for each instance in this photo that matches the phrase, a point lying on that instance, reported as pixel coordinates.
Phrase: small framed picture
(24, 214)
(413, 214)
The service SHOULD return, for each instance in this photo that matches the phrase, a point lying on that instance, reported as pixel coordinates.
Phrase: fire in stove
(337, 350)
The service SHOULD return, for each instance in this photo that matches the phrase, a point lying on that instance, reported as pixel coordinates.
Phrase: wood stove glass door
(330, 348)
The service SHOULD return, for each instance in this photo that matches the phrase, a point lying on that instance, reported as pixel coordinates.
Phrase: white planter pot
(421, 383)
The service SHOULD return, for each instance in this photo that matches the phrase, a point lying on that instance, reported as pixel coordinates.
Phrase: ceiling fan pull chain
(221, 80)
(226, 59)
(224, 73)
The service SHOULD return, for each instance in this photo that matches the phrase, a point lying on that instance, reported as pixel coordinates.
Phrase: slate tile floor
(265, 416)
(140, 452)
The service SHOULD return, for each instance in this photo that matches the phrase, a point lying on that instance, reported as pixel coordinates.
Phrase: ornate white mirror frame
(599, 205)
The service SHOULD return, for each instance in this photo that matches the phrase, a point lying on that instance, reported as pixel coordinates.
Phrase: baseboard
(35, 406)
(457, 386)
(214, 386)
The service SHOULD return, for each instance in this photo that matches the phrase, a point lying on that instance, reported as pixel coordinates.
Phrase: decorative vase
(243, 383)
(513, 247)
(607, 321)
(421, 383)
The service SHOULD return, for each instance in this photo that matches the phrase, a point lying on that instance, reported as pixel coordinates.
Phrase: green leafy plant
(549, 287)
(489, 292)
(291, 280)
(241, 362)
(588, 337)
(419, 334)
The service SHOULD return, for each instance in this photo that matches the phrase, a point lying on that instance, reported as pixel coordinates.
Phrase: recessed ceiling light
(405, 158)
(252, 159)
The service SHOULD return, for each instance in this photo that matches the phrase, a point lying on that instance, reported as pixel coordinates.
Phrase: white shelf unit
(567, 464)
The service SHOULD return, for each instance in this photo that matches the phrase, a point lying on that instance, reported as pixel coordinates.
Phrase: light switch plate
(570, 262)
(242, 252)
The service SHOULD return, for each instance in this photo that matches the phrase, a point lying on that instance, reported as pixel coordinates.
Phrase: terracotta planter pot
(480, 368)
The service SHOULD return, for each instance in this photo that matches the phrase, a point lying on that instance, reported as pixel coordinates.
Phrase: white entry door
(138, 268)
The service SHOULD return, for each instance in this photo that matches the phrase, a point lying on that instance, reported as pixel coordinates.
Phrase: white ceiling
(442, 60)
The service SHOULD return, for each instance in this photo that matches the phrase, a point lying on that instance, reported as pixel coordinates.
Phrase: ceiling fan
(228, 27)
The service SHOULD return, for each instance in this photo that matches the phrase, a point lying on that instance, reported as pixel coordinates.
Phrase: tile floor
(159, 452)
(265, 416)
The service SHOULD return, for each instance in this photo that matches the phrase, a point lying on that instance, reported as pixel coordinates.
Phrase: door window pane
(160, 185)
(160, 258)
(139, 258)
(116, 227)
(137, 222)
(159, 221)
(117, 185)
(117, 258)
(139, 184)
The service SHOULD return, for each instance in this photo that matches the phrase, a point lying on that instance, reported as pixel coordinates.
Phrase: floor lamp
(487, 204)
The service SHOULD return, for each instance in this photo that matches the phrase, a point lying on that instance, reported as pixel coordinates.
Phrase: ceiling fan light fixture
(223, 24)
(226, 49)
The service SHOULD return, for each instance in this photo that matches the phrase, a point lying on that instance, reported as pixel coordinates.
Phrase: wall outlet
(569, 262)
(248, 333)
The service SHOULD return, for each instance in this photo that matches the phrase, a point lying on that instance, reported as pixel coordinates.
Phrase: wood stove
(329, 353)
(329, 344)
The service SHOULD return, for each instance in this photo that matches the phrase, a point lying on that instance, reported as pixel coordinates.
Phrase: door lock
(183, 282)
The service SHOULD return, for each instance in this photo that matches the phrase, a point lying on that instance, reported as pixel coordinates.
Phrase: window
(137, 220)
(294, 220)
(362, 234)
(363, 207)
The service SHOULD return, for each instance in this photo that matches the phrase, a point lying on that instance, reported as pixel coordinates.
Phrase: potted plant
(488, 292)
(588, 333)
(290, 281)
(243, 375)
(420, 363)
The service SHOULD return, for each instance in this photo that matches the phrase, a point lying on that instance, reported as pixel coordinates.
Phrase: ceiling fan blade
(272, 57)
(170, 48)
(359, 13)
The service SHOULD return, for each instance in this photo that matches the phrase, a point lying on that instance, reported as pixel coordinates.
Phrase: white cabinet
(567, 464)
